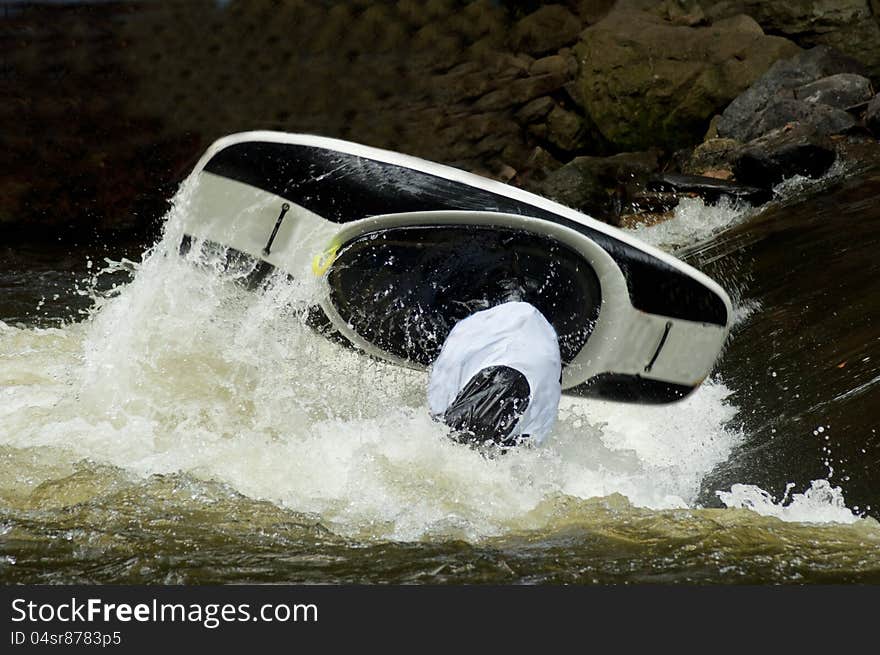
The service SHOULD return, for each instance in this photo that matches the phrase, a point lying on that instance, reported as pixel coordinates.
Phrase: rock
(537, 165)
(795, 17)
(560, 64)
(565, 129)
(590, 11)
(847, 25)
(712, 130)
(646, 83)
(473, 127)
(859, 40)
(739, 118)
(719, 173)
(683, 12)
(542, 161)
(539, 131)
(780, 154)
(591, 184)
(521, 62)
(842, 90)
(456, 86)
(545, 30)
(535, 110)
(577, 185)
(634, 220)
(711, 189)
(712, 155)
(821, 119)
(872, 116)
(520, 91)
(739, 23)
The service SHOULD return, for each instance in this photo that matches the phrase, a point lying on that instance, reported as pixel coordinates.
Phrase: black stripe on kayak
(630, 388)
(660, 345)
(342, 187)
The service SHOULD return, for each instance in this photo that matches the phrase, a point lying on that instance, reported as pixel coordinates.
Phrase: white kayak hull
(394, 238)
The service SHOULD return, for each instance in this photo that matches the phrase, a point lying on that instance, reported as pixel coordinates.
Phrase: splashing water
(184, 371)
(693, 221)
(821, 503)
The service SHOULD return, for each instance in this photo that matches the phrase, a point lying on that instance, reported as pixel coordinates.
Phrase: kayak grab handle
(659, 347)
(280, 218)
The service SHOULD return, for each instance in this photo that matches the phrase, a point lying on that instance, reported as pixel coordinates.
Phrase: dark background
(107, 105)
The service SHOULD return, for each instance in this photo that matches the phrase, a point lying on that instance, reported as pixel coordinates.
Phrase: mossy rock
(647, 82)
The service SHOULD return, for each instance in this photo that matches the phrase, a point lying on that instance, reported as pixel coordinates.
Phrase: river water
(160, 424)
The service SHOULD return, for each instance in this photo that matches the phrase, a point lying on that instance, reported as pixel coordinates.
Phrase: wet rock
(740, 117)
(872, 116)
(645, 82)
(842, 90)
(710, 189)
(545, 30)
(712, 155)
(794, 149)
(783, 153)
(593, 184)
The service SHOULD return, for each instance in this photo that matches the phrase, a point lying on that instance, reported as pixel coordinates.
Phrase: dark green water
(186, 431)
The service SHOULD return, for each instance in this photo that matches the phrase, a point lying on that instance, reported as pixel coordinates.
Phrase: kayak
(404, 248)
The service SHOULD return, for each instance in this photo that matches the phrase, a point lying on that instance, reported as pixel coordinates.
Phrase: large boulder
(793, 17)
(860, 40)
(741, 118)
(793, 149)
(647, 82)
(847, 25)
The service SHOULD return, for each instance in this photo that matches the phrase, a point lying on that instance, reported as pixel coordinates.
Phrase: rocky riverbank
(611, 107)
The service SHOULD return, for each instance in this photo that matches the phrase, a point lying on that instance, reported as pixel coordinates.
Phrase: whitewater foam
(820, 503)
(693, 221)
(184, 370)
